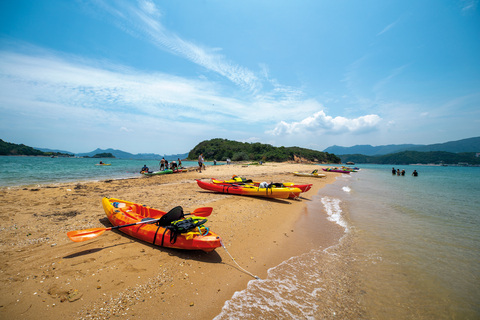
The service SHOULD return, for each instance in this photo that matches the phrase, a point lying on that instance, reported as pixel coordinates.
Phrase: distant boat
(350, 162)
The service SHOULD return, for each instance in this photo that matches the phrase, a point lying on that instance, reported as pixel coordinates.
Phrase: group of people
(402, 173)
(164, 165)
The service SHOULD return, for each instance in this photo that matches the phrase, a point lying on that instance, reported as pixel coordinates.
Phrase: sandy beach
(47, 276)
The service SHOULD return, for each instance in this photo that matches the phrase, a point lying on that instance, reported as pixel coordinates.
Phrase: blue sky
(162, 76)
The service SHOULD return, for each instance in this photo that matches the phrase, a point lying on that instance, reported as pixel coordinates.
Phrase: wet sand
(47, 276)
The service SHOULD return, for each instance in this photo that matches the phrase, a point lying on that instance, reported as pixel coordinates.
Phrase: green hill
(12, 149)
(413, 157)
(221, 149)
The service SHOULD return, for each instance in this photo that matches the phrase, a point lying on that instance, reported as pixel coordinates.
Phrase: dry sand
(44, 275)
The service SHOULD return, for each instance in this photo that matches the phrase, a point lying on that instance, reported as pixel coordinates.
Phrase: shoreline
(118, 274)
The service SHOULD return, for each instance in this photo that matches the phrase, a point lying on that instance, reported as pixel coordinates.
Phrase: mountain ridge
(457, 146)
(119, 154)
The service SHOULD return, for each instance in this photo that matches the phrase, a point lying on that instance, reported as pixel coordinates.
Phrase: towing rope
(221, 242)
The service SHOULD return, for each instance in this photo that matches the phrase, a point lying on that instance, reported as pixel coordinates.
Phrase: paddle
(87, 234)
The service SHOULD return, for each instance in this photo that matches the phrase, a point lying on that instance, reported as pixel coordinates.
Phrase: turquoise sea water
(20, 171)
(411, 250)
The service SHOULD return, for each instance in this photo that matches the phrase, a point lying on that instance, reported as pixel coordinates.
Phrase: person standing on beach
(162, 164)
(179, 163)
(166, 164)
(200, 162)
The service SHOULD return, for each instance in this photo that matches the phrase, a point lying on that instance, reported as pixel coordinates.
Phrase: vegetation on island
(12, 149)
(223, 149)
(414, 157)
(103, 155)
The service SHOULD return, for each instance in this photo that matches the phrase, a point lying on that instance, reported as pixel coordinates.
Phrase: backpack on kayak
(174, 222)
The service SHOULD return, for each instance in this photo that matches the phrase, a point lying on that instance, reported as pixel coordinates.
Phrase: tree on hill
(104, 155)
(221, 149)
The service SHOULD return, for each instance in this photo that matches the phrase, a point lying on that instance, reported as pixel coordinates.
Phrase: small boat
(121, 212)
(249, 190)
(240, 181)
(103, 164)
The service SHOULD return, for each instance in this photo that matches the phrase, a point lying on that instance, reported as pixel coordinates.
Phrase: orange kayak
(250, 190)
(125, 212)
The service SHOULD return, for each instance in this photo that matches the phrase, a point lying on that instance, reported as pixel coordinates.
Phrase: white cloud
(469, 5)
(89, 91)
(252, 139)
(388, 27)
(144, 22)
(322, 123)
(387, 79)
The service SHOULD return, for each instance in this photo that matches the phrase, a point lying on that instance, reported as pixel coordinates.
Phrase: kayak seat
(172, 215)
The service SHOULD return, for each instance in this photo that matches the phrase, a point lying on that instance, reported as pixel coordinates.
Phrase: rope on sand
(221, 242)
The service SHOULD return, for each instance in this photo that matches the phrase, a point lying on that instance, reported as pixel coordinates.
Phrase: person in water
(101, 162)
(394, 171)
(144, 169)
(415, 173)
(403, 172)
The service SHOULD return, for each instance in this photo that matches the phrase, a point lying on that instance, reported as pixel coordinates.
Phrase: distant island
(12, 149)
(223, 149)
(101, 155)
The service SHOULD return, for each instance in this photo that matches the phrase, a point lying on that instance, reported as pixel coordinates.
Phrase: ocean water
(28, 171)
(410, 250)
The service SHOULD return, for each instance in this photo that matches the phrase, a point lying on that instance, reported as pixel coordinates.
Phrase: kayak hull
(129, 212)
(336, 170)
(158, 172)
(247, 190)
(315, 175)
